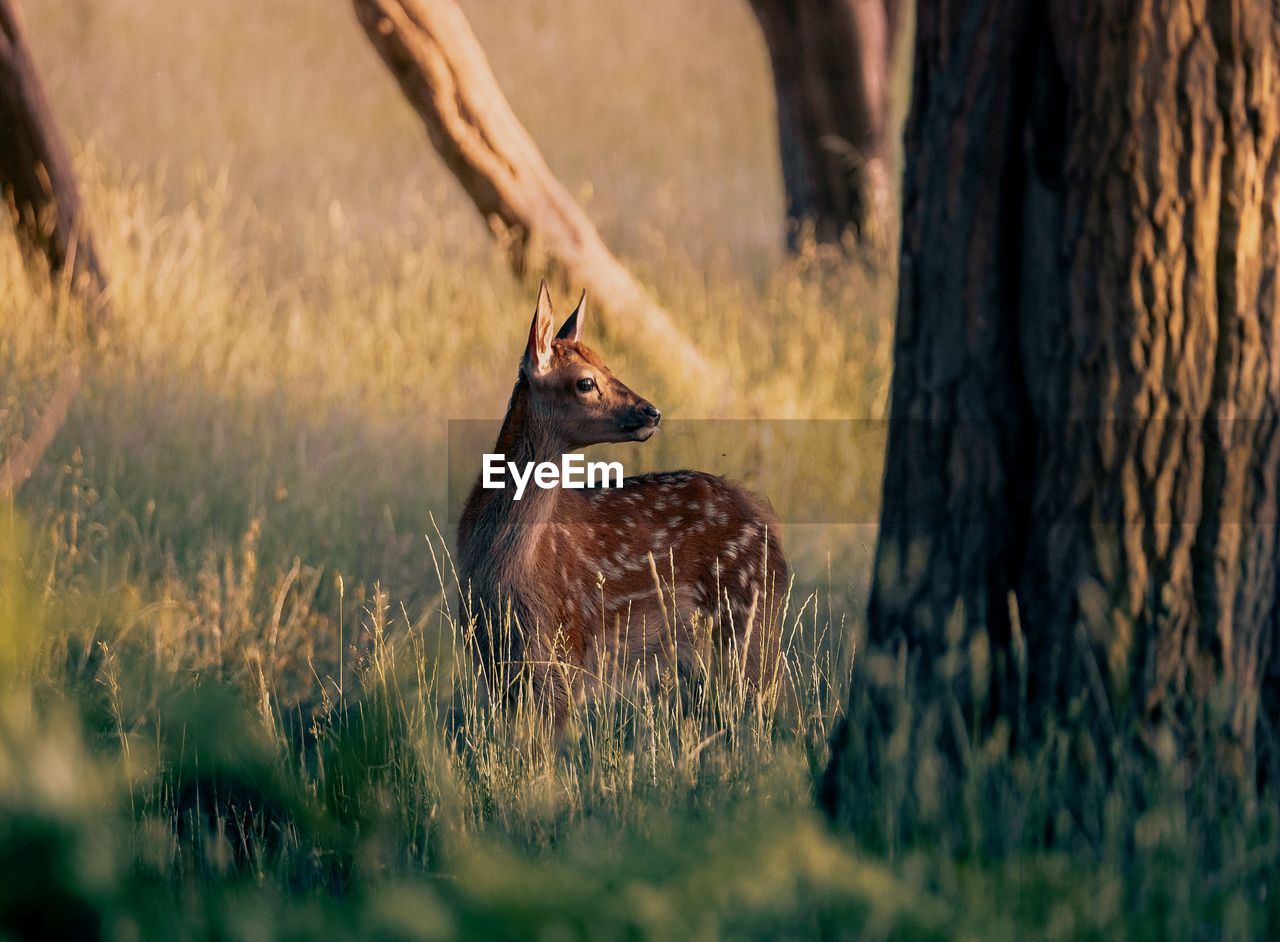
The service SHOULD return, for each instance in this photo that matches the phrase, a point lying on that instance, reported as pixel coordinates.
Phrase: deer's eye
(586, 385)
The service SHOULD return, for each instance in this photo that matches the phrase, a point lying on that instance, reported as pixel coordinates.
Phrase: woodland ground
(232, 701)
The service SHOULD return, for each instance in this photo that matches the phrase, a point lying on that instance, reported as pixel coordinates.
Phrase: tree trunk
(432, 52)
(38, 182)
(831, 61)
(35, 170)
(1084, 431)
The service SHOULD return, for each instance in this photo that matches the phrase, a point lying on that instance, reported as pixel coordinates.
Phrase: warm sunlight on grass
(234, 545)
(235, 694)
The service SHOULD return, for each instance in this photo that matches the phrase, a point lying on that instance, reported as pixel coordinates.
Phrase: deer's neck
(503, 529)
(525, 437)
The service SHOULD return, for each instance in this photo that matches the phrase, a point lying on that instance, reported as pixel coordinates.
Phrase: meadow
(234, 699)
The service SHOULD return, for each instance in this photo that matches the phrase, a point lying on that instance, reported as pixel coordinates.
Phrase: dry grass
(232, 699)
(636, 106)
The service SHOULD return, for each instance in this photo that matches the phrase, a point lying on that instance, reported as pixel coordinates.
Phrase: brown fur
(578, 571)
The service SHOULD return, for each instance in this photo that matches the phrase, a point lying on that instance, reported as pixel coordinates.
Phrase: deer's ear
(537, 354)
(572, 328)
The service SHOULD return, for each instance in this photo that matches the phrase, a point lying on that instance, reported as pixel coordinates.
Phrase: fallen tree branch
(442, 70)
(20, 465)
(39, 186)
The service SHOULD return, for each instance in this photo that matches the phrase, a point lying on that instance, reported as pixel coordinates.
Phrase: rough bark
(39, 185)
(1165, 400)
(831, 62)
(442, 70)
(1085, 423)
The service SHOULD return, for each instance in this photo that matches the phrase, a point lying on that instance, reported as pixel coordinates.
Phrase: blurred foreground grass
(232, 703)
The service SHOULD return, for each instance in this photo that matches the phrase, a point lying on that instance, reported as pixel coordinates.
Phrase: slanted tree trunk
(831, 61)
(39, 186)
(1085, 428)
(442, 70)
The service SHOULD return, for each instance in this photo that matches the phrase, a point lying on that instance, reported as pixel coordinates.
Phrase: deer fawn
(570, 585)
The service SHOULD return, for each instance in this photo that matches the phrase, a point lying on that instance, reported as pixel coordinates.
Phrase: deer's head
(571, 391)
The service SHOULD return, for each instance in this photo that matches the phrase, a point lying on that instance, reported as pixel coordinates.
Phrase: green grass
(232, 698)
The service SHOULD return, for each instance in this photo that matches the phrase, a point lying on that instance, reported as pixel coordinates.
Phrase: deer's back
(643, 557)
(699, 528)
(620, 570)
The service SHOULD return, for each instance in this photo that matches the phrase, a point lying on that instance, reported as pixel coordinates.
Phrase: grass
(232, 699)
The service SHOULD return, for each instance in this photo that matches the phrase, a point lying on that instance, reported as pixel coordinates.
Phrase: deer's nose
(651, 412)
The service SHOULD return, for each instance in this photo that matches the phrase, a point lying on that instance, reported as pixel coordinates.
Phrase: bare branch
(442, 70)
